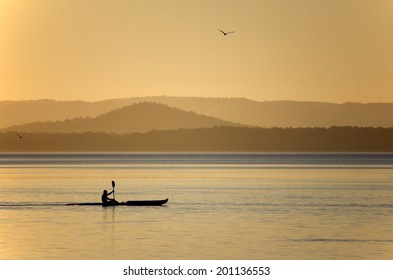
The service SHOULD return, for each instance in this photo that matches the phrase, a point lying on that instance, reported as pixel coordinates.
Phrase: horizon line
(196, 97)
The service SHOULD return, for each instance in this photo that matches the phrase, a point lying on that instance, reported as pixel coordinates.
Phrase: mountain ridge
(139, 117)
(237, 110)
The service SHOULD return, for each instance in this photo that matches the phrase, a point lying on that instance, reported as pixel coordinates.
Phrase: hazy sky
(313, 50)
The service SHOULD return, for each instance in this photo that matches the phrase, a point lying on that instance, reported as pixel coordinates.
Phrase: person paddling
(106, 200)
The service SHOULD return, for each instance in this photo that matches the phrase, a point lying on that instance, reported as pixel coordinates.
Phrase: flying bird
(226, 33)
(20, 135)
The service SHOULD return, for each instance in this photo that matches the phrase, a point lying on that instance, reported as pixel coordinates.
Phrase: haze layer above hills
(140, 117)
(236, 110)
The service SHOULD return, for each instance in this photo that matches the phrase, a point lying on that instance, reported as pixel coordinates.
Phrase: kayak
(126, 203)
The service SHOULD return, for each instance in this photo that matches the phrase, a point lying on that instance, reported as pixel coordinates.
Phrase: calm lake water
(221, 206)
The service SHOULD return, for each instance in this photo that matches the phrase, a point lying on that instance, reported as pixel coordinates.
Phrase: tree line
(241, 139)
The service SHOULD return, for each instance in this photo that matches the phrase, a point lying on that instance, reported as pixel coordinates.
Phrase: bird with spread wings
(20, 134)
(226, 33)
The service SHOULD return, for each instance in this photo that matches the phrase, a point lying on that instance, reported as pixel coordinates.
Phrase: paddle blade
(113, 186)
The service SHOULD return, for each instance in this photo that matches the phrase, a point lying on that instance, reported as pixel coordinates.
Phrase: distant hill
(236, 110)
(21, 112)
(141, 117)
(286, 113)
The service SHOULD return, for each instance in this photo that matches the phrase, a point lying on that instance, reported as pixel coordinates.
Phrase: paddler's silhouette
(106, 201)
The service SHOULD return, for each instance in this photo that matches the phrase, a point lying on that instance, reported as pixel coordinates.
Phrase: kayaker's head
(105, 191)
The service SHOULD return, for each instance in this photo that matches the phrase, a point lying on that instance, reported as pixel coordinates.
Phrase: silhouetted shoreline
(217, 139)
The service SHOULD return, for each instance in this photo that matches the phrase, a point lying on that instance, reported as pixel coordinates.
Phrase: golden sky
(311, 50)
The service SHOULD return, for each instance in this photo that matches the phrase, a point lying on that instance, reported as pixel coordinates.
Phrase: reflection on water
(215, 211)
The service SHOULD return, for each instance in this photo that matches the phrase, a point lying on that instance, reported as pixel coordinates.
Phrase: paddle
(113, 189)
